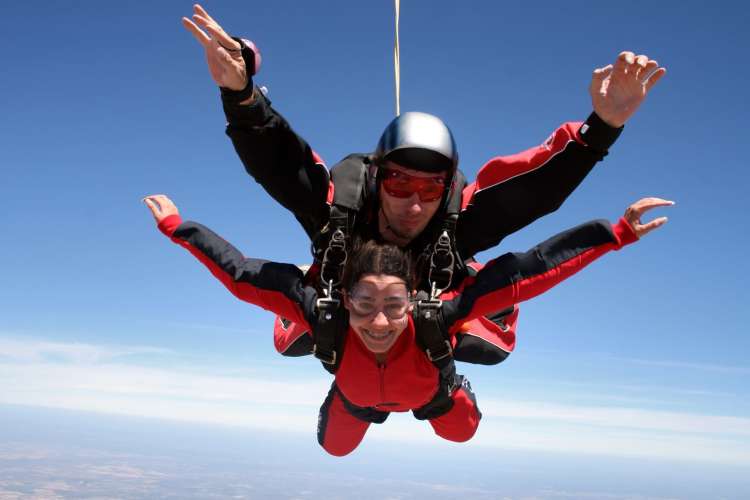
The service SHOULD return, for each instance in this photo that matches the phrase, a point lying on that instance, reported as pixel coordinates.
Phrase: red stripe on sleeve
(503, 168)
(269, 300)
(532, 286)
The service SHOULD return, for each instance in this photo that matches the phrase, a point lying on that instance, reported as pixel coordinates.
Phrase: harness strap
(348, 197)
(327, 333)
(432, 337)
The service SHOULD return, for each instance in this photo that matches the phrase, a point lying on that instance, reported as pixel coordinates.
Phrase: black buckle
(326, 306)
(442, 354)
(323, 357)
(427, 307)
(428, 310)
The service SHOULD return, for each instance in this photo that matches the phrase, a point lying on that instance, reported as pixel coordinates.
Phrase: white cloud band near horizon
(88, 377)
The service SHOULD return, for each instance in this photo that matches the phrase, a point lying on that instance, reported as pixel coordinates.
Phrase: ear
(345, 297)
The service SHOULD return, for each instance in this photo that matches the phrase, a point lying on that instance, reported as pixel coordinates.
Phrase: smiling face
(378, 306)
(402, 218)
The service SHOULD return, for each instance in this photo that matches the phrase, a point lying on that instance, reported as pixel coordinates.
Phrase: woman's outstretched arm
(273, 286)
(515, 277)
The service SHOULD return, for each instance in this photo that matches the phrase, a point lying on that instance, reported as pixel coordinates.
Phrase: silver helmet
(420, 141)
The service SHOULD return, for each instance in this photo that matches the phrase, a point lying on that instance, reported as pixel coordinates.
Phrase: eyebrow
(396, 297)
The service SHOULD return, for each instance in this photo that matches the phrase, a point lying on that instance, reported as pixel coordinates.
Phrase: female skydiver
(381, 367)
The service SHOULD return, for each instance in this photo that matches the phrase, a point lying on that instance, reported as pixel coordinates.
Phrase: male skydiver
(509, 193)
(410, 190)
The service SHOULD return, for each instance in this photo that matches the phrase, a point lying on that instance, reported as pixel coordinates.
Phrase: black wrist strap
(237, 96)
(597, 134)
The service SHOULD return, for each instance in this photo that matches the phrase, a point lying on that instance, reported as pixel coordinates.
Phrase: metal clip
(442, 246)
(435, 291)
(429, 307)
(337, 243)
(328, 304)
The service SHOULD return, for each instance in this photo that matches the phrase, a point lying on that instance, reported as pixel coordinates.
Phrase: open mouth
(378, 337)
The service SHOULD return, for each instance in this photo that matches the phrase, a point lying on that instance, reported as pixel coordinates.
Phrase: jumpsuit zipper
(381, 370)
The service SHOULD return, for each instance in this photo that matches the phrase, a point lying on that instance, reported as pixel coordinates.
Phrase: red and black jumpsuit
(509, 193)
(365, 391)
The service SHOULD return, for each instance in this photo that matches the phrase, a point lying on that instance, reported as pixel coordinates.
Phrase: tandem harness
(331, 247)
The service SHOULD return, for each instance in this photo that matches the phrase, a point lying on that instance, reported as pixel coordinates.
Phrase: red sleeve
(511, 192)
(273, 286)
(504, 168)
(513, 278)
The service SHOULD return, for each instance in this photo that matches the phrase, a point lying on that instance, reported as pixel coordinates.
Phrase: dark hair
(371, 257)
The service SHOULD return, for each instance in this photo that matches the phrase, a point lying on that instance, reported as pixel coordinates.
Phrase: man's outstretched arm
(513, 191)
(272, 153)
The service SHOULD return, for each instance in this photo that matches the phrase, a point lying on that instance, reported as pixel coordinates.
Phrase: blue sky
(642, 355)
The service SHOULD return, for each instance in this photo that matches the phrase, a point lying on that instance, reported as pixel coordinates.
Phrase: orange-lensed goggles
(401, 185)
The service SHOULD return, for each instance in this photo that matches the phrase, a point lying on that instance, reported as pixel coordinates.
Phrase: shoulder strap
(453, 203)
(444, 260)
(349, 180)
(349, 185)
(349, 177)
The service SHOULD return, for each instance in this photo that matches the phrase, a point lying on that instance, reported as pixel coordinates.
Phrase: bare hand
(617, 91)
(161, 207)
(634, 212)
(223, 54)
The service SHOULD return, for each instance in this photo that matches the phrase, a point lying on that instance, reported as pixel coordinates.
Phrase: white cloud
(98, 378)
(578, 495)
(628, 418)
(684, 365)
(37, 350)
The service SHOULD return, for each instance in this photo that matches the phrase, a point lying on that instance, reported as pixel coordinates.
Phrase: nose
(380, 321)
(415, 204)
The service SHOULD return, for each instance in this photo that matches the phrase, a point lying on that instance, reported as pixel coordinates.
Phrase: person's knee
(338, 449)
(459, 434)
(462, 421)
(339, 431)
